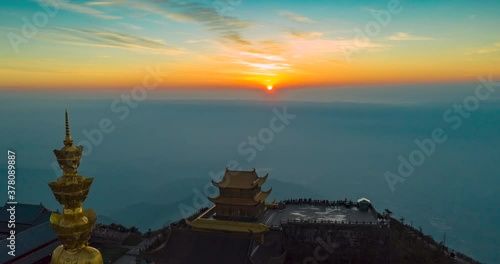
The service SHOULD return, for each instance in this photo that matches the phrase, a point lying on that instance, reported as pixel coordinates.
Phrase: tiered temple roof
(242, 180)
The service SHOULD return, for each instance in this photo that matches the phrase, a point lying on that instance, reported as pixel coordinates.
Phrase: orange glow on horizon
(250, 52)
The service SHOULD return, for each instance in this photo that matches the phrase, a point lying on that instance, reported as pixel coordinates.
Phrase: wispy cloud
(30, 71)
(268, 66)
(234, 36)
(296, 17)
(105, 3)
(131, 26)
(78, 8)
(405, 36)
(319, 47)
(293, 33)
(485, 51)
(192, 41)
(114, 40)
(272, 58)
(228, 27)
(264, 58)
(180, 17)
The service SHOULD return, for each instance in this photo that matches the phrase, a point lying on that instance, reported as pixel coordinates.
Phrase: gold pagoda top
(74, 226)
(69, 156)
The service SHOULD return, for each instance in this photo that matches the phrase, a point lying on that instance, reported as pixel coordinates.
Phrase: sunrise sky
(245, 43)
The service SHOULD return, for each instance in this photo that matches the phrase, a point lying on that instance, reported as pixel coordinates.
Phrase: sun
(269, 87)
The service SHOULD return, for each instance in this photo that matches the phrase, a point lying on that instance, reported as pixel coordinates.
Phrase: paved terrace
(313, 212)
(317, 213)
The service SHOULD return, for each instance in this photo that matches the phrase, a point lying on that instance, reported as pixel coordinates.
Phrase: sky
(242, 44)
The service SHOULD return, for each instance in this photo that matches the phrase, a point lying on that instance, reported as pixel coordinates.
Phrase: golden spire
(74, 226)
(67, 140)
(69, 156)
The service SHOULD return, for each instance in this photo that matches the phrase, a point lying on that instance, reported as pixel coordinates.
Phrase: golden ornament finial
(68, 141)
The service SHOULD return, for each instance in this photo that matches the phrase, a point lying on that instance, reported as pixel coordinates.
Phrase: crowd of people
(345, 202)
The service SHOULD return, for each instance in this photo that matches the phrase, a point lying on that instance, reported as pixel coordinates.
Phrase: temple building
(35, 238)
(241, 227)
(240, 195)
(236, 210)
(74, 226)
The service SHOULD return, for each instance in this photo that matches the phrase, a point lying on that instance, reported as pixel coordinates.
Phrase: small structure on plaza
(364, 204)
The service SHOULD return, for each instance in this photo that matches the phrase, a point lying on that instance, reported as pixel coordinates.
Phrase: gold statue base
(86, 255)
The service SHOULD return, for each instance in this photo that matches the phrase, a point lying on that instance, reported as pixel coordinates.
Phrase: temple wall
(249, 211)
(330, 243)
